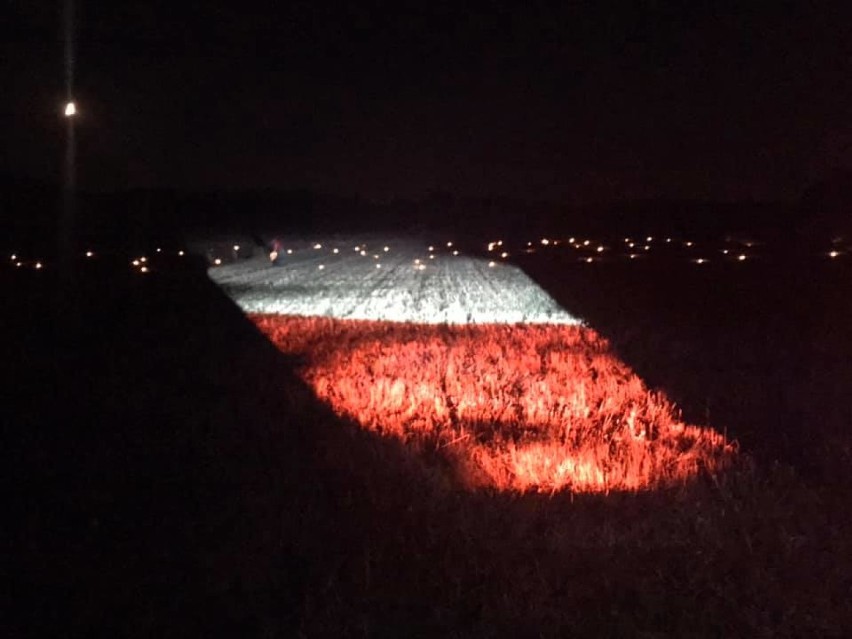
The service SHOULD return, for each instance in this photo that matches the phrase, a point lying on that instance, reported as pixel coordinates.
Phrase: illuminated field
(402, 284)
(509, 405)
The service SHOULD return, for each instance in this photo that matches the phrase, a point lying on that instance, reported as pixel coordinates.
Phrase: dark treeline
(138, 218)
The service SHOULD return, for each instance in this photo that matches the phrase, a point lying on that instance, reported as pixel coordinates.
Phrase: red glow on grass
(516, 407)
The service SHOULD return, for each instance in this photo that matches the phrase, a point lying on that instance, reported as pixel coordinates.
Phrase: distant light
(632, 244)
(317, 246)
(386, 249)
(38, 265)
(431, 248)
(357, 248)
(688, 244)
(668, 240)
(14, 257)
(363, 253)
(455, 252)
(741, 257)
(499, 242)
(545, 241)
(529, 243)
(700, 260)
(491, 246)
(289, 251)
(159, 250)
(633, 256)
(335, 251)
(417, 261)
(589, 260)
(379, 265)
(236, 248)
(492, 264)
(70, 109)
(376, 256)
(431, 257)
(180, 253)
(504, 255)
(449, 244)
(586, 243)
(273, 255)
(600, 249)
(89, 254)
(217, 262)
(135, 262)
(321, 266)
(649, 239)
(626, 240)
(570, 240)
(725, 251)
(19, 264)
(143, 259)
(834, 254)
(144, 269)
(646, 247)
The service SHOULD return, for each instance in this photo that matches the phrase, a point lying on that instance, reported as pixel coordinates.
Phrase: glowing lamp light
(504, 255)
(571, 240)
(321, 266)
(273, 255)
(180, 253)
(38, 266)
(159, 250)
(586, 243)
(70, 109)
(741, 258)
(135, 262)
(455, 252)
(143, 259)
(725, 251)
(688, 244)
(499, 242)
(317, 246)
(386, 249)
(89, 254)
(834, 254)
(19, 264)
(289, 251)
(335, 251)
(700, 260)
(545, 241)
(646, 247)
(431, 257)
(236, 247)
(633, 256)
(449, 244)
(14, 257)
(600, 249)
(217, 261)
(492, 264)
(649, 239)
(363, 253)
(378, 265)
(589, 260)
(144, 269)
(431, 248)
(668, 240)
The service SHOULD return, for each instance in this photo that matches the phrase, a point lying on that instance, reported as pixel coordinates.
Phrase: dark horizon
(576, 104)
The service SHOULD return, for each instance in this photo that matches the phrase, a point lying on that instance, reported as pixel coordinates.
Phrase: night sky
(572, 101)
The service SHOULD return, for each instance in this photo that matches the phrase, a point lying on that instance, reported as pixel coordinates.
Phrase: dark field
(168, 474)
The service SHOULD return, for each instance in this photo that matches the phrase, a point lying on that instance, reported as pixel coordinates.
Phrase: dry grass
(515, 407)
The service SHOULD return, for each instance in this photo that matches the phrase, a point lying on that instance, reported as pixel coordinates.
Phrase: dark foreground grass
(169, 475)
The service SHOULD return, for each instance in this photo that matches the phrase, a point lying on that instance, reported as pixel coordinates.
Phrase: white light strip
(451, 290)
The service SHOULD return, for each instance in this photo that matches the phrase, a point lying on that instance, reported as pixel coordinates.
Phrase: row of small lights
(362, 250)
(600, 248)
(140, 263)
